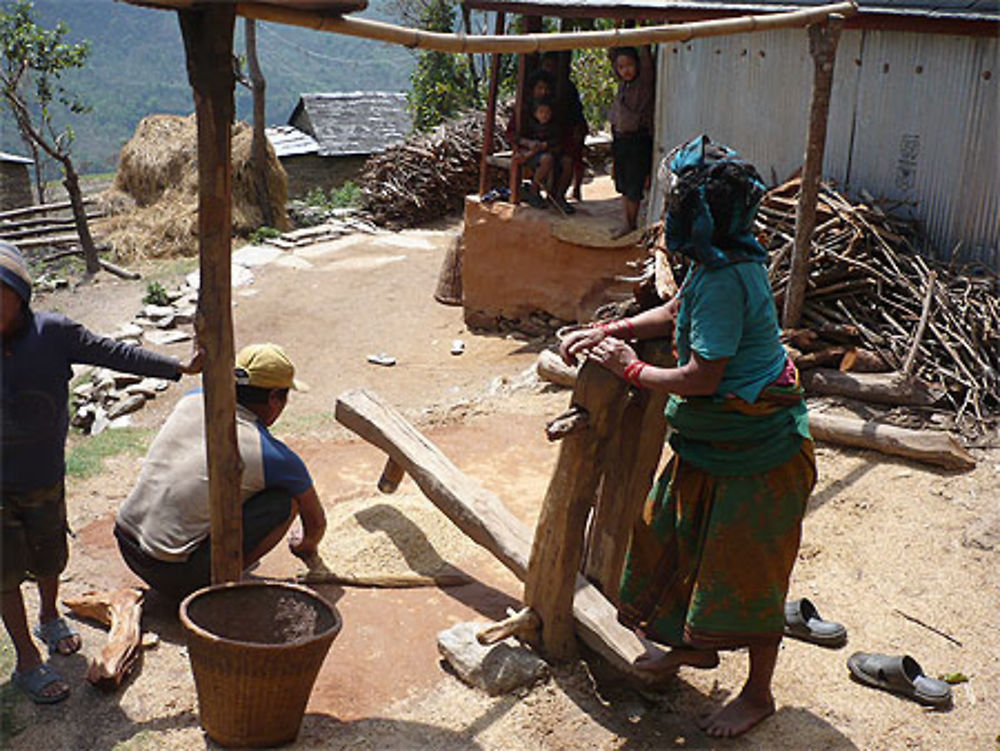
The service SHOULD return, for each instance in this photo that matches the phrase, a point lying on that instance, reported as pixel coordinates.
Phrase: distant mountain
(136, 68)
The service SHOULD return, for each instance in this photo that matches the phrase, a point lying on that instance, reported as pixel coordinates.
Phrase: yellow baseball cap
(266, 366)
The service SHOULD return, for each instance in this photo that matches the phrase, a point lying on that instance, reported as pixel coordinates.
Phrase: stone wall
(308, 171)
(15, 186)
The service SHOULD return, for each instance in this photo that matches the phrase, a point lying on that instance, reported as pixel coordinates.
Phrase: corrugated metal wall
(914, 118)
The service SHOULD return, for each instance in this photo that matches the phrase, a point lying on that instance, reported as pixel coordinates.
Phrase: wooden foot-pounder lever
(121, 611)
(482, 516)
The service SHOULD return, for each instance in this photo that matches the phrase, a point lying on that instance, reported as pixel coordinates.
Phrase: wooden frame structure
(615, 434)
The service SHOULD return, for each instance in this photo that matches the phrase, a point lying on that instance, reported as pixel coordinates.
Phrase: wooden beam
(879, 388)
(933, 447)
(208, 42)
(823, 39)
(557, 548)
(483, 517)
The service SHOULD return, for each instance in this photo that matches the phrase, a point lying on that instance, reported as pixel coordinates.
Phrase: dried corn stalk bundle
(867, 280)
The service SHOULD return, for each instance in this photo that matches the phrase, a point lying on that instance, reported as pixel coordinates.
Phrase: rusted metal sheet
(913, 119)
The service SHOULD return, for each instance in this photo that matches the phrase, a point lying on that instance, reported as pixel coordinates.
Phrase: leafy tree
(34, 60)
(596, 83)
(441, 85)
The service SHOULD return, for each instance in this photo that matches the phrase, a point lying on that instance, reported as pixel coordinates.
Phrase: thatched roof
(353, 123)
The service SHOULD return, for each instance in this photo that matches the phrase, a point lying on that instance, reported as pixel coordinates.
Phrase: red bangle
(618, 328)
(633, 372)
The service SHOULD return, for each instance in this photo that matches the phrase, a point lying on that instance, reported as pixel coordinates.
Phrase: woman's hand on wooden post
(579, 342)
(613, 354)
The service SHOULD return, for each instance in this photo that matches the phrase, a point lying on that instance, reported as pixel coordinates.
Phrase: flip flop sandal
(54, 631)
(901, 675)
(34, 682)
(802, 621)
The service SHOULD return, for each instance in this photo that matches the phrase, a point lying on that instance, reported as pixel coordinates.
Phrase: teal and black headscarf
(712, 200)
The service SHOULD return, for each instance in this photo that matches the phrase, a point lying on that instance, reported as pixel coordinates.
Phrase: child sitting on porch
(540, 149)
(631, 119)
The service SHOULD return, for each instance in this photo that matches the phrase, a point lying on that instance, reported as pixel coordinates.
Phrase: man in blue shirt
(38, 352)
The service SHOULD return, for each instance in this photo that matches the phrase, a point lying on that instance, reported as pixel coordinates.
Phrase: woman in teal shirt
(710, 558)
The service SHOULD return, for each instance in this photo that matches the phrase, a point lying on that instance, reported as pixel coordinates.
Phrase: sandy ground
(884, 539)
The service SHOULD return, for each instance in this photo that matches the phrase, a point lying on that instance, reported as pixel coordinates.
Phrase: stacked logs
(874, 304)
(425, 177)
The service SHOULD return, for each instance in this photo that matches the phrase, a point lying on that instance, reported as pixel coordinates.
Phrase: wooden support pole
(489, 126)
(557, 548)
(208, 42)
(823, 38)
(633, 456)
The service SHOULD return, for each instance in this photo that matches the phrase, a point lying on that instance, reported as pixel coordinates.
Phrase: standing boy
(38, 350)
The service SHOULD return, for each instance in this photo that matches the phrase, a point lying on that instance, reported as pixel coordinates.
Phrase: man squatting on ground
(38, 350)
(163, 526)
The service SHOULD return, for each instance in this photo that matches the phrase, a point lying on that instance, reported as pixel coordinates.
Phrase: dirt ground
(884, 539)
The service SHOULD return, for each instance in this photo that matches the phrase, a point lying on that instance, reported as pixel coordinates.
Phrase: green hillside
(136, 68)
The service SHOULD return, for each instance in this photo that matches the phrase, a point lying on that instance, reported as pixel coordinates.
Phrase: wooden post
(632, 459)
(489, 126)
(557, 548)
(208, 42)
(823, 38)
(515, 167)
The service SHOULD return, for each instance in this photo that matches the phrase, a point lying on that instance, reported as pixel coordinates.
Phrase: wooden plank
(557, 548)
(939, 448)
(208, 42)
(40, 208)
(633, 457)
(482, 516)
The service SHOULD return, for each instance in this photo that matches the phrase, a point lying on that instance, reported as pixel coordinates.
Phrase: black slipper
(901, 675)
(802, 621)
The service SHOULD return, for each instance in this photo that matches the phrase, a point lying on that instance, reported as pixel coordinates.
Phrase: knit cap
(14, 271)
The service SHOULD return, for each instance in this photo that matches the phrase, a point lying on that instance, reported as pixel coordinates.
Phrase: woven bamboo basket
(255, 650)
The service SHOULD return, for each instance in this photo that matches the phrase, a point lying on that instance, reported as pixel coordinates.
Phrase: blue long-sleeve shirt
(35, 382)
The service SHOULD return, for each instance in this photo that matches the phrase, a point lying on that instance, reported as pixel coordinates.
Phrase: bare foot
(666, 663)
(736, 717)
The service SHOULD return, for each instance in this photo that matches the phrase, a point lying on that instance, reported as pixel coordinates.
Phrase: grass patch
(308, 423)
(86, 457)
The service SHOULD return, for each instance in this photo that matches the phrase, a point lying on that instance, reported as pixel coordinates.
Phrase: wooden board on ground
(482, 516)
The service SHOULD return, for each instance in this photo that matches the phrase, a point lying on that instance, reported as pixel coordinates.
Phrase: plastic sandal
(54, 631)
(34, 682)
(802, 621)
(901, 675)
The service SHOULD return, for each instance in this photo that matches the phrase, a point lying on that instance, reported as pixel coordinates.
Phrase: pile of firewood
(425, 177)
(873, 304)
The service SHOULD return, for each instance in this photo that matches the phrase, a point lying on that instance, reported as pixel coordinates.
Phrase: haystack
(152, 206)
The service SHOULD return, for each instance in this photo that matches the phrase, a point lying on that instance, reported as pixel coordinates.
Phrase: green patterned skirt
(710, 558)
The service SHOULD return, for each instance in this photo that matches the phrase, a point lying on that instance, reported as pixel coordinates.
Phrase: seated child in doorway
(632, 129)
(540, 149)
(570, 106)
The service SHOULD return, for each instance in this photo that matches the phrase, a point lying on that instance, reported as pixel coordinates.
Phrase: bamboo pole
(823, 38)
(529, 43)
(208, 43)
